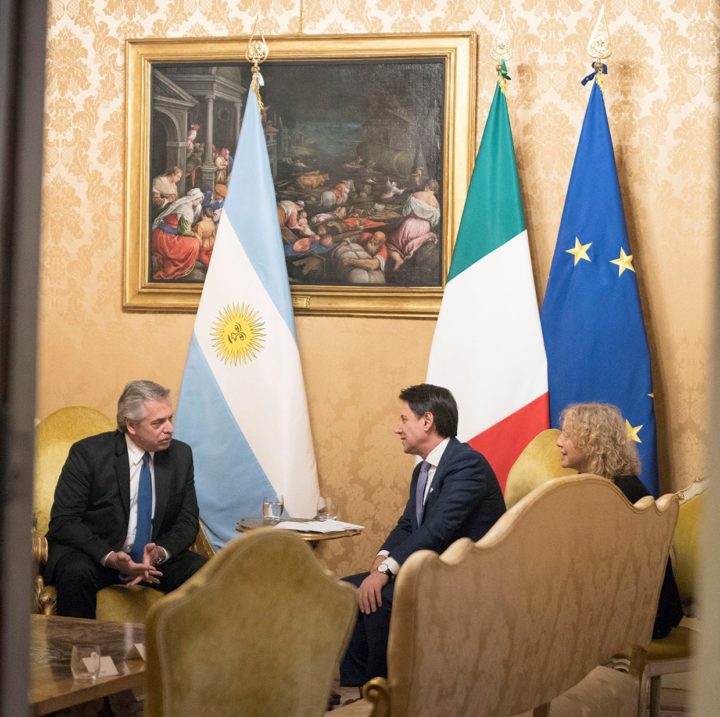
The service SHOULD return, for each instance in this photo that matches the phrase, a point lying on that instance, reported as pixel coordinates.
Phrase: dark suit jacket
(92, 499)
(464, 501)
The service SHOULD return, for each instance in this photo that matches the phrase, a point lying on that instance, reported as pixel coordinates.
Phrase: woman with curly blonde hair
(594, 439)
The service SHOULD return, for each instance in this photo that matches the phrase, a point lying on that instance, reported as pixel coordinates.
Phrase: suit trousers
(366, 655)
(78, 578)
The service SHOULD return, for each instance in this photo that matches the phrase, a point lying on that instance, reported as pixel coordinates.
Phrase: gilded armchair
(526, 620)
(259, 632)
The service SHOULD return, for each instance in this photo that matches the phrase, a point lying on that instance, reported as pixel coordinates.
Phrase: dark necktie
(420, 490)
(143, 532)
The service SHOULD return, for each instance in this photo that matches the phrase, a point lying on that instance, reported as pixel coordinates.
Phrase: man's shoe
(341, 696)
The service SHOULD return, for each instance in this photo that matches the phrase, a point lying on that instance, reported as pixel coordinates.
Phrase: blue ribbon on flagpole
(595, 71)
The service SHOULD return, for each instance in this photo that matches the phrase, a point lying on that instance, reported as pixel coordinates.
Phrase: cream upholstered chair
(53, 438)
(525, 618)
(259, 630)
(539, 461)
(674, 653)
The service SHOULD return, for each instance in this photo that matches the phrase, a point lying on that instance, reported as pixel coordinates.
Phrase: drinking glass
(325, 508)
(85, 662)
(272, 508)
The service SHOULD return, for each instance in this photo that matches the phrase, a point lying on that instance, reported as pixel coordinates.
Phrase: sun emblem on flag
(238, 334)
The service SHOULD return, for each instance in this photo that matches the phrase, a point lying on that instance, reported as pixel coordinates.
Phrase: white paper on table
(317, 526)
(137, 650)
(107, 666)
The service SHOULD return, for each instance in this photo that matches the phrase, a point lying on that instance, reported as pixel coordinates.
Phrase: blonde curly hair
(598, 431)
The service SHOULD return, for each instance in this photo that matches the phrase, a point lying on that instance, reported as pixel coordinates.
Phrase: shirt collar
(433, 458)
(135, 453)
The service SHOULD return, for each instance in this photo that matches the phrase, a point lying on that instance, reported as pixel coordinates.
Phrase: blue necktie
(143, 532)
(420, 490)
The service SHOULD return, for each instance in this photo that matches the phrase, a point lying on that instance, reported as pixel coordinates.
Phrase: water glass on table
(85, 662)
(325, 508)
(272, 508)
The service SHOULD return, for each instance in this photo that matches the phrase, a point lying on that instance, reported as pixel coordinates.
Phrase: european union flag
(592, 322)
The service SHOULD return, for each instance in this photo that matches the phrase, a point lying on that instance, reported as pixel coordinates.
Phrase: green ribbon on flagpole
(503, 76)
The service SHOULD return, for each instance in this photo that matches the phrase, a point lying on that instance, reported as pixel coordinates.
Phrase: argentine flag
(242, 405)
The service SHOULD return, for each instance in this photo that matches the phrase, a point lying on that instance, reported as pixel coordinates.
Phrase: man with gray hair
(125, 509)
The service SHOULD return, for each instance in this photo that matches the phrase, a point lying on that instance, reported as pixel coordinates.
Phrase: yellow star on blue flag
(579, 251)
(624, 261)
(632, 431)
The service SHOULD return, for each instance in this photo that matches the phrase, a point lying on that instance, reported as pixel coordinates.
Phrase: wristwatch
(384, 568)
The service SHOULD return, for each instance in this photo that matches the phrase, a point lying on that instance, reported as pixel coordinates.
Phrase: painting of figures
(358, 153)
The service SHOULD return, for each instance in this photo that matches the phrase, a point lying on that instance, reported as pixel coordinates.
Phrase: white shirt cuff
(392, 564)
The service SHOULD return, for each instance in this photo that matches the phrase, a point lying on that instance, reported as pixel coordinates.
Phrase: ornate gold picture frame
(361, 131)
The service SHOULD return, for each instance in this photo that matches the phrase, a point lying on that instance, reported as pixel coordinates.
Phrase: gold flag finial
(598, 47)
(599, 43)
(257, 52)
(501, 52)
(501, 48)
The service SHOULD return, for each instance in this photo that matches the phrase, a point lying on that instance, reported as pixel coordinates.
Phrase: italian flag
(488, 347)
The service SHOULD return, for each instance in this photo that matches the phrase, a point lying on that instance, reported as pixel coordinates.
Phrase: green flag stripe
(493, 213)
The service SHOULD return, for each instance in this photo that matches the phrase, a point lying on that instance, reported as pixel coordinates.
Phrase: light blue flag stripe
(251, 208)
(592, 321)
(230, 483)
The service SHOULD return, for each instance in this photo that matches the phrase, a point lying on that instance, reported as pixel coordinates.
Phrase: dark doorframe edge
(23, 32)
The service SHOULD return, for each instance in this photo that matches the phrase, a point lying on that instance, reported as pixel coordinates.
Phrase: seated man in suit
(125, 508)
(453, 494)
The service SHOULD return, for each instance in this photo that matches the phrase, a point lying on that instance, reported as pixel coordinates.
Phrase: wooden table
(245, 525)
(52, 686)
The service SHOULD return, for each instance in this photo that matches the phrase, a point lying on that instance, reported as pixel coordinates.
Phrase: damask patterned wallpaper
(662, 98)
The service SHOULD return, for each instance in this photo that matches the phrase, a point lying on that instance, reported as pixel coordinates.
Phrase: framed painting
(371, 141)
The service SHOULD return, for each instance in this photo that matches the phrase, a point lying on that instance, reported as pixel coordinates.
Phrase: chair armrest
(377, 692)
(202, 545)
(44, 600)
(39, 549)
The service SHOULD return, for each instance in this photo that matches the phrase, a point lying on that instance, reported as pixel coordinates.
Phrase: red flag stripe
(503, 442)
